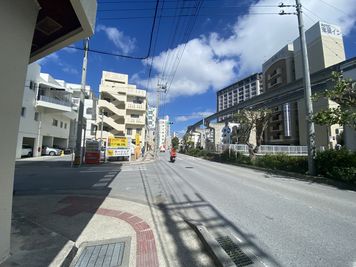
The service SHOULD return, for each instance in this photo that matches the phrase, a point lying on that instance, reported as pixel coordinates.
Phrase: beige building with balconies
(123, 106)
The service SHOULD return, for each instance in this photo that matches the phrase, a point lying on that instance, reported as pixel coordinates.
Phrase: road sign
(118, 142)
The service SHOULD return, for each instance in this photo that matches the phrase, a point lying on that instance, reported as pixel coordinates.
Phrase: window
(32, 85)
(129, 131)
(61, 124)
(89, 111)
(55, 122)
(135, 116)
(65, 126)
(138, 130)
(23, 112)
(37, 115)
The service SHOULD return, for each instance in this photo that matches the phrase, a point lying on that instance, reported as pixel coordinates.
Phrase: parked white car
(51, 151)
(26, 151)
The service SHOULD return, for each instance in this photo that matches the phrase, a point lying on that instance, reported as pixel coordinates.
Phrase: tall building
(46, 112)
(123, 105)
(325, 48)
(288, 125)
(278, 71)
(239, 92)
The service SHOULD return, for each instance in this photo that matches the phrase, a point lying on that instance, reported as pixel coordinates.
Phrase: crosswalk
(110, 174)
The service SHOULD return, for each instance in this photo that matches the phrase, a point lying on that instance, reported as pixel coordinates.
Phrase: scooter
(173, 159)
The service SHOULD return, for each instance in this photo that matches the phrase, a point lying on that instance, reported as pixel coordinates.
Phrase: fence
(267, 149)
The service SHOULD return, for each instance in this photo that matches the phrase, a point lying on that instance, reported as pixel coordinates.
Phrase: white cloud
(69, 50)
(256, 38)
(124, 43)
(68, 69)
(199, 70)
(193, 116)
(213, 61)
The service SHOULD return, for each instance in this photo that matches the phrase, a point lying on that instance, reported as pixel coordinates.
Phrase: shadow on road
(181, 204)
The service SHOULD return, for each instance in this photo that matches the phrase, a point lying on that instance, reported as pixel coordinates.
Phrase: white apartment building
(238, 92)
(151, 117)
(89, 113)
(164, 132)
(46, 112)
(123, 105)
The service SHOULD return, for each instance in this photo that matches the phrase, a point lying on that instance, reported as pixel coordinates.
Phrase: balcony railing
(55, 101)
(130, 120)
(135, 106)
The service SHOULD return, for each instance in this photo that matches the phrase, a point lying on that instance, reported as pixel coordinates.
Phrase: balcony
(134, 106)
(136, 121)
(136, 92)
(53, 103)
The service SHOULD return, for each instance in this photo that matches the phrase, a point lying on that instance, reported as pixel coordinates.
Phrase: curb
(217, 253)
(65, 256)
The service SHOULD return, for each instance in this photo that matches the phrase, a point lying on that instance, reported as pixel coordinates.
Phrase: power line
(127, 56)
(154, 46)
(334, 7)
(186, 15)
(188, 7)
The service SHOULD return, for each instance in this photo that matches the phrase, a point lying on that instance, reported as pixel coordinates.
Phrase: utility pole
(307, 92)
(78, 143)
(307, 85)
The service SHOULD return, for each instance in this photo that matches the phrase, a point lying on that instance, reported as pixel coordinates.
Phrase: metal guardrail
(55, 101)
(266, 149)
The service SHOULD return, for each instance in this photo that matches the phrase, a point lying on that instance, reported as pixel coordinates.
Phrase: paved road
(283, 221)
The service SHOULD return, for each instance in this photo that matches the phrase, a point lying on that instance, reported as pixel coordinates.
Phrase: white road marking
(99, 184)
(105, 179)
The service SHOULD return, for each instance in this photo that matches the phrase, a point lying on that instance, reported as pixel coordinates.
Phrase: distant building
(151, 117)
(238, 92)
(89, 112)
(164, 138)
(124, 107)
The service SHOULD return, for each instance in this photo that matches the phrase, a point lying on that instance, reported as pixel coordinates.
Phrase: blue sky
(229, 40)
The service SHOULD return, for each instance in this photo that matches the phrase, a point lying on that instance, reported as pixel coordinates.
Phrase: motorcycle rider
(173, 154)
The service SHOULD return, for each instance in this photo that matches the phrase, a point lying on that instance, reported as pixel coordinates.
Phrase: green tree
(344, 94)
(175, 142)
(252, 120)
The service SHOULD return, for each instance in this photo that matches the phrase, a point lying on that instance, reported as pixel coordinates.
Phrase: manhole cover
(233, 250)
(113, 252)
(189, 167)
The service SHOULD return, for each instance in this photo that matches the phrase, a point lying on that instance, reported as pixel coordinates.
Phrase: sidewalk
(52, 230)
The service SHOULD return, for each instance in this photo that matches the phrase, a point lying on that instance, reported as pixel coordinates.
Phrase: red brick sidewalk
(146, 251)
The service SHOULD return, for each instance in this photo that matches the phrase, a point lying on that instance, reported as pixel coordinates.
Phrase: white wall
(28, 127)
(17, 23)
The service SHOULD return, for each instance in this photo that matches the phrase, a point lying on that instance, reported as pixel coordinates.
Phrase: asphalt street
(282, 221)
